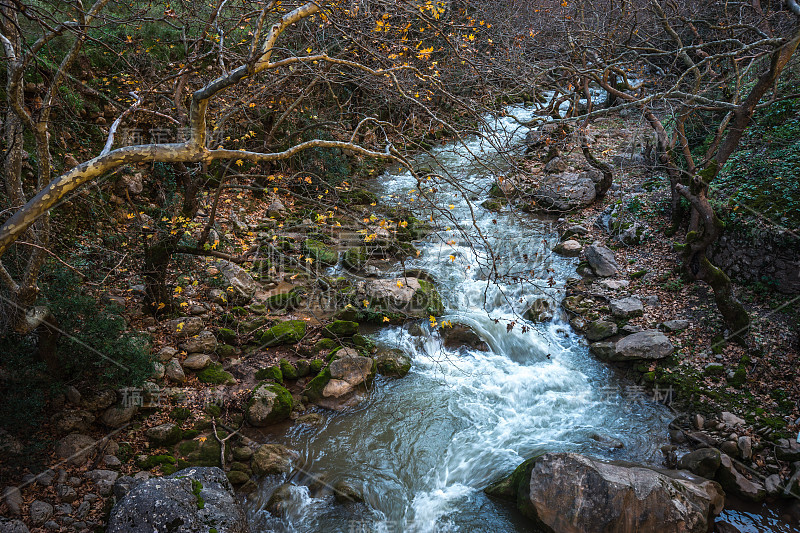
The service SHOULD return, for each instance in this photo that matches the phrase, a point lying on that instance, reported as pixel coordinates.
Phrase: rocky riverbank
(637, 313)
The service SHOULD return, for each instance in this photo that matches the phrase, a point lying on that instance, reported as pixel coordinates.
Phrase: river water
(422, 448)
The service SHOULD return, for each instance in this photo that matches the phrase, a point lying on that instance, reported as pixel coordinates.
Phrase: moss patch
(214, 374)
(289, 332)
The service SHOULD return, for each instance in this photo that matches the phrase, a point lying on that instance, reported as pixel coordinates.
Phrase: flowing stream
(422, 448)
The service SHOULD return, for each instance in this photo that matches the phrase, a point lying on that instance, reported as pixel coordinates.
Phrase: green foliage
(96, 346)
(762, 176)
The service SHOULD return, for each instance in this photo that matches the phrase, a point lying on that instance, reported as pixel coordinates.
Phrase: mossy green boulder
(269, 403)
(320, 252)
(288, 370)
(393, 363)
(273, 373)
(289, 332)
(355, 258)
(215, 375)
(340, 328)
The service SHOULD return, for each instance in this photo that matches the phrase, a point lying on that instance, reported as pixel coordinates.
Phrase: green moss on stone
(289, 332)
(313, 390)
(273, 373)
(214, 374)
(288, 370)
(340, 328)
(320, 252)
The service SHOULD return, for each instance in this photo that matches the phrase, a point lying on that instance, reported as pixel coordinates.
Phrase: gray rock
(64, 508)
(174, 371)
(244, 287)
(204, 342)
(773, 485)
(600, 329)
(555, 165)
(166, 353)
(571, 493)
(626, 307)
(745, 445)
(190, 500)
(632, 328)
(350, 375)
(111, 461)
(75, 448)
(459, 335)
(731, 420)
(541, 310)
(72, 421)
(82, 510)
(66, 493)
(788, 450)
(649, 344)
(40, 512)
(13, 499)
(675, 325)
(196, 361)
(13, 526)
(164, 434)
(103, 480)
(566, 191)
(735, 483)
(73, 395)
(218, 296)
(281, 500)
(568, 248)
(614, 284)
(703, 462)
(99, 400)
(185, 327)
(603, 350)
(344, 492)
(118, 415)
(158, 371)
(602, 261)
(123, 485)
(651, 300)
(270, 403)
(273, 459)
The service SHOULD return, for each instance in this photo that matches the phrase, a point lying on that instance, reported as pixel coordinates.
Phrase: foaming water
(422, 448)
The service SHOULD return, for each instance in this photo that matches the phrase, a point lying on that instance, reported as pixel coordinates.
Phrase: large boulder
(412, 297)
(269, 403)
(190, 500)
(185, 327)
(566, 191)
(735, 483)
(602, 261)
(571, 493)
(350, 375)
(650, 344)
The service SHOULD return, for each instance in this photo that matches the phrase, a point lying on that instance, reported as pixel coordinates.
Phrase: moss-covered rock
(286, 301)
(315, 366)
(289, 332)
(216, 375)
(273, 373)
(314, 388)
(393, 363)
(340, 328)
(273, 459)
(226, 351)
(288, 370)
(227, 336)
(355, 258)
(325, 345)
(320, 252)
(156, 460)
(188, 447)
(180, 414)
(237, 477)
(269, 403)
(508, 488)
